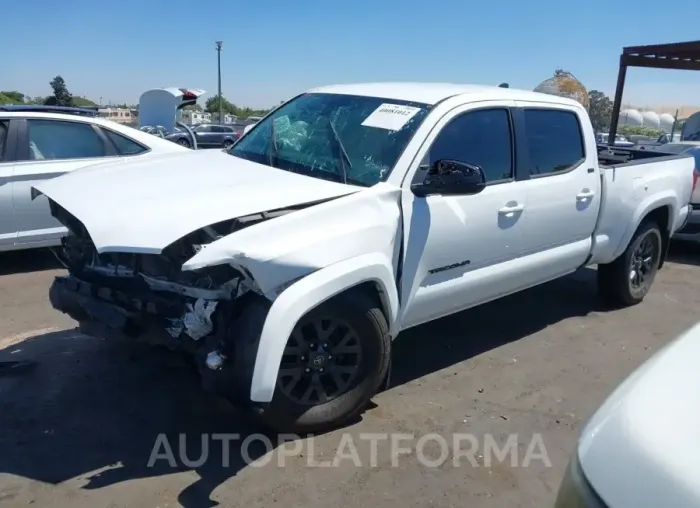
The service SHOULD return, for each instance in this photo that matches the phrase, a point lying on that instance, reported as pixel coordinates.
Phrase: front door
(460, 250)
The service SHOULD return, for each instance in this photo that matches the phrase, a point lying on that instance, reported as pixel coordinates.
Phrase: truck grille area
(132, 271)
(139, 293)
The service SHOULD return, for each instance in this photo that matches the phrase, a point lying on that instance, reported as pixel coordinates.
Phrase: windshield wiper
(344, 158)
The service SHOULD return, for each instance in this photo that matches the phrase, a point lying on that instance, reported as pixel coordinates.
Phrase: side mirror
(450, 178)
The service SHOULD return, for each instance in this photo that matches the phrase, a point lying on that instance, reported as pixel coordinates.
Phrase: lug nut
(321, 369)
(330, 357)
(303, 358)
(307, 369)
(312, 345)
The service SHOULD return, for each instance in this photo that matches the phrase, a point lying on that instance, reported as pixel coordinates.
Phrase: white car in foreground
(346, 216)
(42, 142)
(640, 448)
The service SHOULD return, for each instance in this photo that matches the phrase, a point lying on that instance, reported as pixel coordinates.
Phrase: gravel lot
(78, 432)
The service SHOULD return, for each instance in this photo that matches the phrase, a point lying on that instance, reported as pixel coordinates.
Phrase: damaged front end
(149, 296)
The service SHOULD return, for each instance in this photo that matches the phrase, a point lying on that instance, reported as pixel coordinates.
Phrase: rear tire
(349, 322)
(628, 279)
(228, 144)
(184, 142)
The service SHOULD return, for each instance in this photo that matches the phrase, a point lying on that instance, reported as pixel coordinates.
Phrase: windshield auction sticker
(391, 117)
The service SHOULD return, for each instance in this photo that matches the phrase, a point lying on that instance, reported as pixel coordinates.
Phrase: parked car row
(207, 136)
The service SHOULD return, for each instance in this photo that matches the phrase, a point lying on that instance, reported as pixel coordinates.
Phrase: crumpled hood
(143, 206)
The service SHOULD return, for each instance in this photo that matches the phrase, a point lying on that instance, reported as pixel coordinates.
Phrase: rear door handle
(509, 211)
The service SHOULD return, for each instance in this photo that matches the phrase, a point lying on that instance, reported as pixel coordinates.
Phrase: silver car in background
(42, 142)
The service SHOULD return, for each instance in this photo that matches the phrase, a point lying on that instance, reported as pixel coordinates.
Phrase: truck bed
(616, 156)
(630, 179)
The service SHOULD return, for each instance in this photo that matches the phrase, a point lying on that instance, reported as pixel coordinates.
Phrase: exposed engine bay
(150, 295)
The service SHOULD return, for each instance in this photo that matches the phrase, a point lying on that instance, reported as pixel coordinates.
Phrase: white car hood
(640, 448)
(144, 206)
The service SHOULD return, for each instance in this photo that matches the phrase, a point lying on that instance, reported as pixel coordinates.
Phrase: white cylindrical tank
(631, 117)
(651, 120)
(666, 122)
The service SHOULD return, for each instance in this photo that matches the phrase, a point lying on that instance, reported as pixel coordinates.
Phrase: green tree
(4, 99)
(15, 97)
(212, 105)
(194, 107)
(600, 110)
(61, 96)
(82, 102)
(628, 130)
(35, 100)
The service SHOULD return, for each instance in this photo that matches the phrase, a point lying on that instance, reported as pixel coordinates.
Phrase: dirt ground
(80, 430)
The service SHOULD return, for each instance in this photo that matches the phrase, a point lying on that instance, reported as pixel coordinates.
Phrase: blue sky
(274, 49)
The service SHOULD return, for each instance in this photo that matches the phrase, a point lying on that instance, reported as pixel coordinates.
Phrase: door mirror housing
(451, 178)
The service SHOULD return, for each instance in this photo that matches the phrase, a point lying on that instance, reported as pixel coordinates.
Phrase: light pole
(219, 44)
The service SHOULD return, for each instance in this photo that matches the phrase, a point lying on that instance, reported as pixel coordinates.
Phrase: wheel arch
(372, 274)
(663, 217)
(660, 210)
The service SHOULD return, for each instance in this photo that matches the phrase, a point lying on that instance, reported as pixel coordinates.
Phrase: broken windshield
(344, 138)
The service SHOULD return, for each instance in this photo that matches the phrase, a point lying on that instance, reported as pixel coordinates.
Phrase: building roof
(432, 93)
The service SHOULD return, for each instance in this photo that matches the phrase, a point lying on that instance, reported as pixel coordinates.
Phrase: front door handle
(584, 195)
(511, 210)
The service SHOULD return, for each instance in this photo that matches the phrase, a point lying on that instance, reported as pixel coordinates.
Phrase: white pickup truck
(347, 215)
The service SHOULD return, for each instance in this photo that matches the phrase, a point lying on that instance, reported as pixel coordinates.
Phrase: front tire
(628, 279)
(335, 360)
(184, 142)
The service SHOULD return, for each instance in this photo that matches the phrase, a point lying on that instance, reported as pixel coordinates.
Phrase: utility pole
(219, 44)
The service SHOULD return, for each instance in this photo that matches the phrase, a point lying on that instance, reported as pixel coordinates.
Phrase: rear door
(48, 148)
(8, 224)
(563, 186)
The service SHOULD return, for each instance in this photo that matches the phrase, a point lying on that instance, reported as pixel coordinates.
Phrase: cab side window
(57, 139)
(124, 145)
(555, 141)
(482, 138)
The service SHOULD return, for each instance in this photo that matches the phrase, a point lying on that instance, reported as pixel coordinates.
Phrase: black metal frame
(679, 56)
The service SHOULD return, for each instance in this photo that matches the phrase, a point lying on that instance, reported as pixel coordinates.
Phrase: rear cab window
(555, 141)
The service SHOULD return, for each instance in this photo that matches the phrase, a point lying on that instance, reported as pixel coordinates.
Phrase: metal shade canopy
(678, 55)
